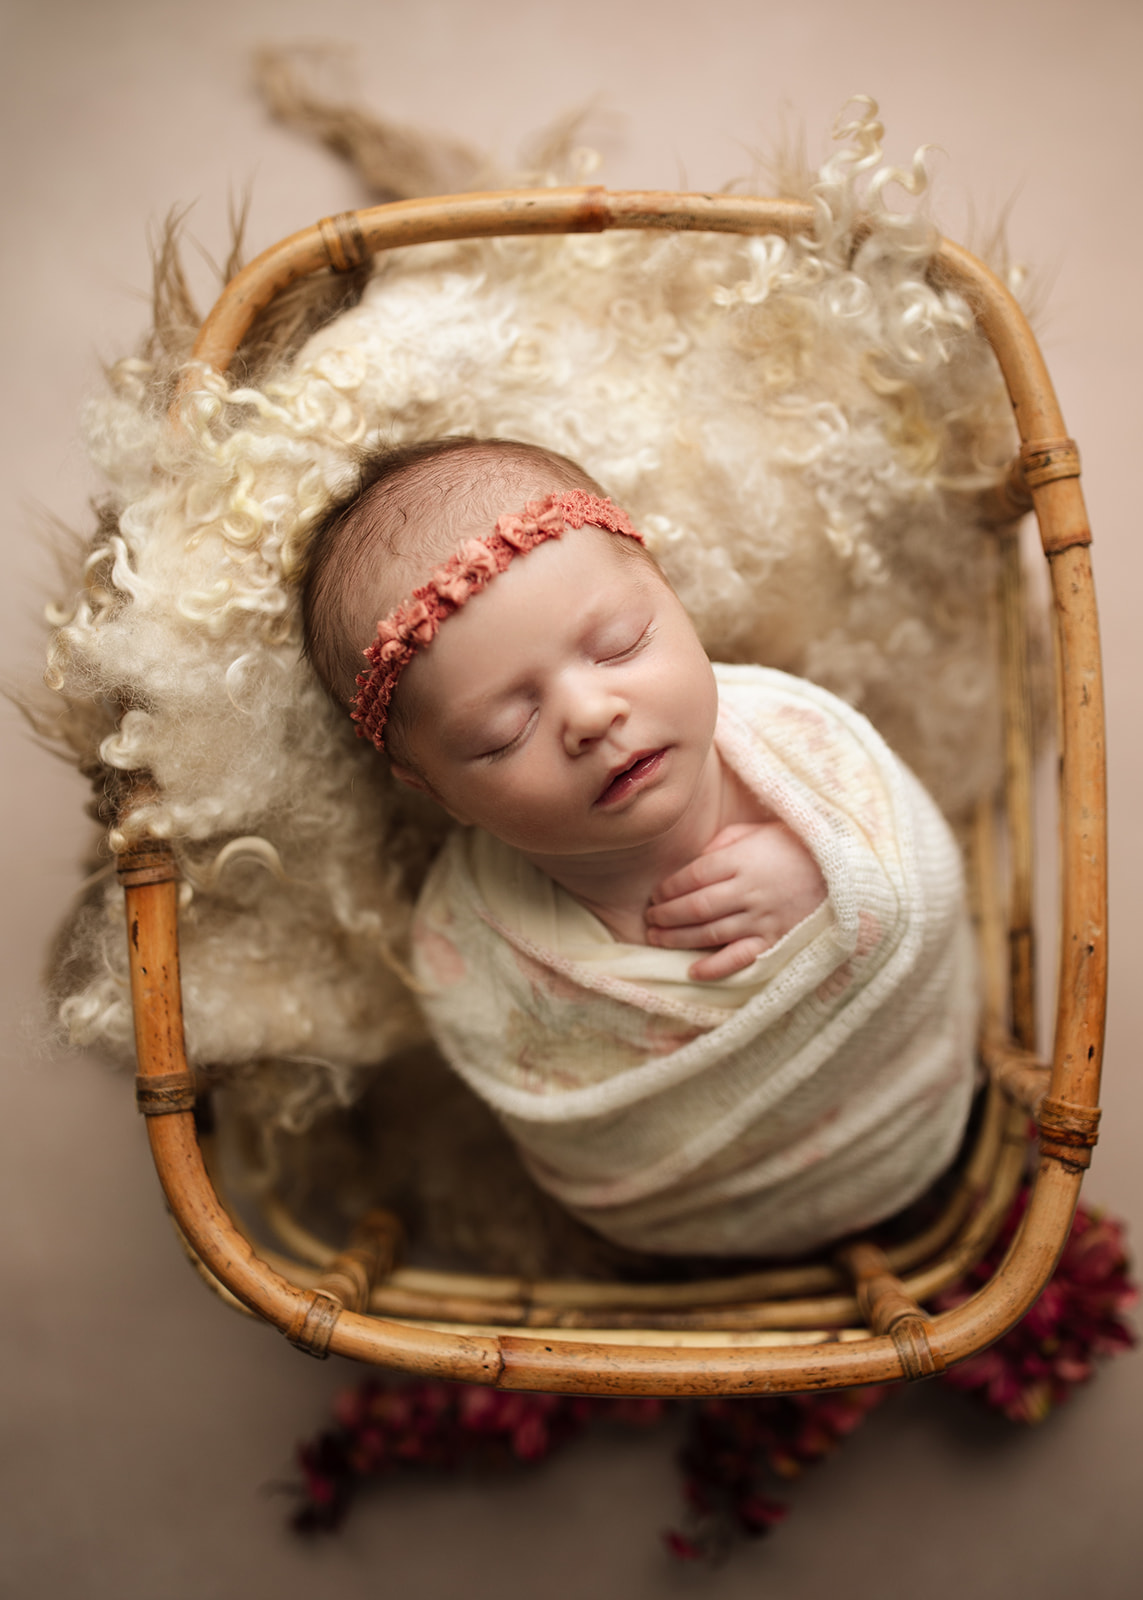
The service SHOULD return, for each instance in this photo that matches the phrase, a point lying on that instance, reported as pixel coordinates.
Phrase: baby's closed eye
(497, 751)
(623, 644)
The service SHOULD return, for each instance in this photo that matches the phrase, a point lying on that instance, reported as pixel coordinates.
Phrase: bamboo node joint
(1068, 1132)
(918, 1359)
(1045, 460)
(344, 242)
(594, 214)
(368, 1261)
(149, 861)
(889, 1309)
(161, 1094)
(311, 1327)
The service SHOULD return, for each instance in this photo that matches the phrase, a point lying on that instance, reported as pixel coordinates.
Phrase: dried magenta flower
(733, 1448)
(1079, 1317)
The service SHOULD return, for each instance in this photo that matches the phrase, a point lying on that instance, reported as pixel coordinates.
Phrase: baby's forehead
(562, 589)
(567, 594)
(417, 518)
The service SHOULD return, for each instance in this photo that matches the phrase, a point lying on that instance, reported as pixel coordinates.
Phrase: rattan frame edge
(909, 1344)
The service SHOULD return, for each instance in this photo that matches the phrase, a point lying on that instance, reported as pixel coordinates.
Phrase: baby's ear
(413, 780)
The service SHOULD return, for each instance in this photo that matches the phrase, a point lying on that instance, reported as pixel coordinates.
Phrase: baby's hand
(750, 886)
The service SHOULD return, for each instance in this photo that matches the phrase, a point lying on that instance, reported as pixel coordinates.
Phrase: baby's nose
(591, 714)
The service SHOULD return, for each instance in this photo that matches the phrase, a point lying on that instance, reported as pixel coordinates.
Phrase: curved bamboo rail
(814, 1297)
(899, 1340)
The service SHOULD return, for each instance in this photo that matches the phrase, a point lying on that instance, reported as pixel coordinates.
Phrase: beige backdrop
(143, 1423)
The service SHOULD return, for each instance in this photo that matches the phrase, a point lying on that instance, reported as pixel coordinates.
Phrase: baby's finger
(697, 874)
(692, 937)
(700, 905)
(724, 963)
(701, 935)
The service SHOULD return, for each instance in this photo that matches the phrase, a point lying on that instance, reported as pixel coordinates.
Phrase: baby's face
(568, 709)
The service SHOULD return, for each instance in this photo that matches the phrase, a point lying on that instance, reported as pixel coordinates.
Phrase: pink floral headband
(413, 624)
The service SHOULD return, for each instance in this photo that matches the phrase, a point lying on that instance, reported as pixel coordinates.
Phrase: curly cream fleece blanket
(817, 1092)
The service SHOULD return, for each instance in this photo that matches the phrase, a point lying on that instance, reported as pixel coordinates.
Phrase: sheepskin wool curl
(802, 429)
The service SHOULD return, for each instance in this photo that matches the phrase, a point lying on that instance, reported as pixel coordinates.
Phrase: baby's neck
(617, 886)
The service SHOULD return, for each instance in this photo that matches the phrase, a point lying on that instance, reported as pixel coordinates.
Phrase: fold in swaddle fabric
(813, 1094)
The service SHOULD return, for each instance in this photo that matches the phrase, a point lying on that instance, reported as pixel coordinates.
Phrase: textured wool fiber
(802, 430)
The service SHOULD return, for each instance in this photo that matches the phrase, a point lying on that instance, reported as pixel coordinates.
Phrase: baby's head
(557, 695)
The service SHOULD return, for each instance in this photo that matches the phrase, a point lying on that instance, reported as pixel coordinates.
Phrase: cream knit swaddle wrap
(815, 1093)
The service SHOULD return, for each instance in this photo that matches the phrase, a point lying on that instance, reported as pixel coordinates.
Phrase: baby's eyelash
(505, 749)
(632, 649)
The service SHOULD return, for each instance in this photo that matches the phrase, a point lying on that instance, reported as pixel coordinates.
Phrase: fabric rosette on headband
(414, 623)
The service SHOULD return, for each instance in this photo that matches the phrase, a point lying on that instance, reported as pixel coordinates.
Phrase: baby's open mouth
(631, 777)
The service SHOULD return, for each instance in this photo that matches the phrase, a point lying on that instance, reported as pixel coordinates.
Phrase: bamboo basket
(858, 1317)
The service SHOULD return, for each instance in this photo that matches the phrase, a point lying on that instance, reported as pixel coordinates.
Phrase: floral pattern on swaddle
(817, 1092)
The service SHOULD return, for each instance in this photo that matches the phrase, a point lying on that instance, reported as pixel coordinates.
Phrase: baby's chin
(640, 830)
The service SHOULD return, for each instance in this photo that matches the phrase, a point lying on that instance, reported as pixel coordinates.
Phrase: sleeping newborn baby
(699, 938)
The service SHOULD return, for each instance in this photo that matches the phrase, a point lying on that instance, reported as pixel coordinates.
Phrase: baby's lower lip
(634, 776)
